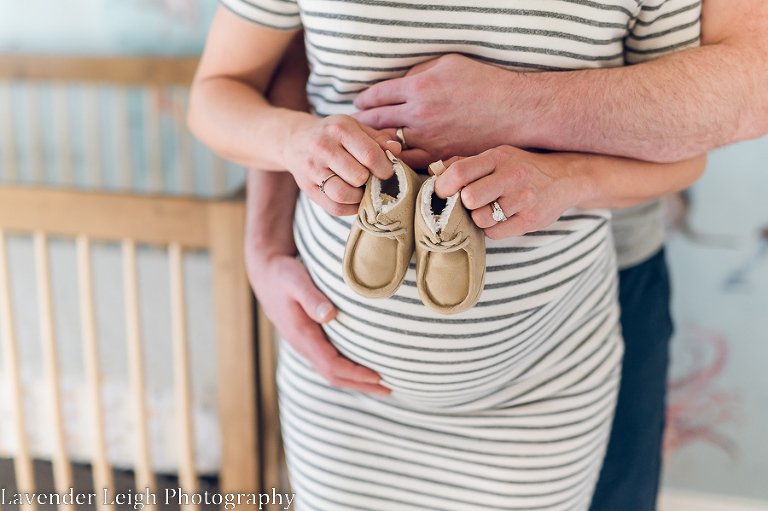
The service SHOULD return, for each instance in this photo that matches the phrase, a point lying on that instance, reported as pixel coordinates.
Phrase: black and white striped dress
(507, 406)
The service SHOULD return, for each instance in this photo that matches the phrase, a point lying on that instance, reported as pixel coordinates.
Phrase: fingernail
(372, 379)
(323, 310)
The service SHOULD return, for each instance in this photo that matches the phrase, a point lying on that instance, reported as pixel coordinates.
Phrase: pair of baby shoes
(400, 215)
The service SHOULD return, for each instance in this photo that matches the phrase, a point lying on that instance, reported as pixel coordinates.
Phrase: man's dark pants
(629, 480)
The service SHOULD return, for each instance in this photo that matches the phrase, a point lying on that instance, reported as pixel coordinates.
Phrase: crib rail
(177, 225)
(123, 70)
(119, 125)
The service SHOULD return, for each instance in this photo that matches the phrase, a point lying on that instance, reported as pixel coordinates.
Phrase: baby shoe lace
(452, 245)
(391, 230)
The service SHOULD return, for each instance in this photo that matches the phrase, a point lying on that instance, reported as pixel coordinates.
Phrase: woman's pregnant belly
(548, 309)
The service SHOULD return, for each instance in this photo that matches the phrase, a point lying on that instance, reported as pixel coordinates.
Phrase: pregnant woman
(505, 406)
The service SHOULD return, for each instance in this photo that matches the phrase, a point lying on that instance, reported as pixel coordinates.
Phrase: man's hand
(297, 308)
(664, 110)
(449, 106)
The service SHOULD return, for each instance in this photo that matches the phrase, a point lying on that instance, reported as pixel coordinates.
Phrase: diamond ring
(498, 213)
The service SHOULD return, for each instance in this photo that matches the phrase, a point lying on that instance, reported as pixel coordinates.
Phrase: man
(664, 110)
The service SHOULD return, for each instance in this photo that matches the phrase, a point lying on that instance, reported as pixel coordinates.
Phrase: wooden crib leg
(234, 338)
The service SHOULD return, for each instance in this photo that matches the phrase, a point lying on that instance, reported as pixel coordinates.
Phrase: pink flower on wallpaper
(697, 407)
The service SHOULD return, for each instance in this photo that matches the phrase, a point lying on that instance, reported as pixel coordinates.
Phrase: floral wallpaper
(717, 249)
(718, 390)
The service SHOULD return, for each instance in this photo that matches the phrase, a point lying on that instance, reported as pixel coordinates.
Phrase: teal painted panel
(148, 27)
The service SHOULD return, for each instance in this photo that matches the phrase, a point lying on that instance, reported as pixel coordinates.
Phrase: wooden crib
(250, 445)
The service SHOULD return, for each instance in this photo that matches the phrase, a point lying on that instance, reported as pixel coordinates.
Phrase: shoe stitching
(391, 230)
(444, 246)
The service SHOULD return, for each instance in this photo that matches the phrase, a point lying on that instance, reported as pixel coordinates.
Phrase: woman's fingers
(338, 190)
(365, 147)
(481, 192)
(332, 207)
(386, 140)
(341, 156)
(483, 216)
(462, 173)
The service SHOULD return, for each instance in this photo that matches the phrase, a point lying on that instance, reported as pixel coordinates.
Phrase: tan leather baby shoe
(450, 252)
(380, 244)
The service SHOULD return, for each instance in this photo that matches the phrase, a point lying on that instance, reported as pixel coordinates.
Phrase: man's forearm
(669, 109)
(621, 183)
(666, 110)
(269, 213)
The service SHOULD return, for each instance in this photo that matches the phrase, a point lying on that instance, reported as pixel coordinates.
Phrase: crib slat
(102, 472)
(122, 139)
(93, 139)
(145, 478)
(186, 158)
(35, 134)
(219, 168)
(10, 163)
(181, 373)
(62, 467)
(63, 139)
(270, 422)
(25, 477)
(154, 144)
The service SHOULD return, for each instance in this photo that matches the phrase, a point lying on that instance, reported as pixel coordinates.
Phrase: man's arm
(669, 109)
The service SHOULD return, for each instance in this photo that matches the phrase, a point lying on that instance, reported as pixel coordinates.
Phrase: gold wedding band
(401, 138)
(322, 183)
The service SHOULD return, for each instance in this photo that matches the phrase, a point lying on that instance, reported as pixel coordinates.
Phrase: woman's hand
(229, 112)
(532, 189)
(340, 147)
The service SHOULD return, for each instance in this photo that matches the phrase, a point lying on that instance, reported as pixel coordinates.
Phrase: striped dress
(507, 406)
